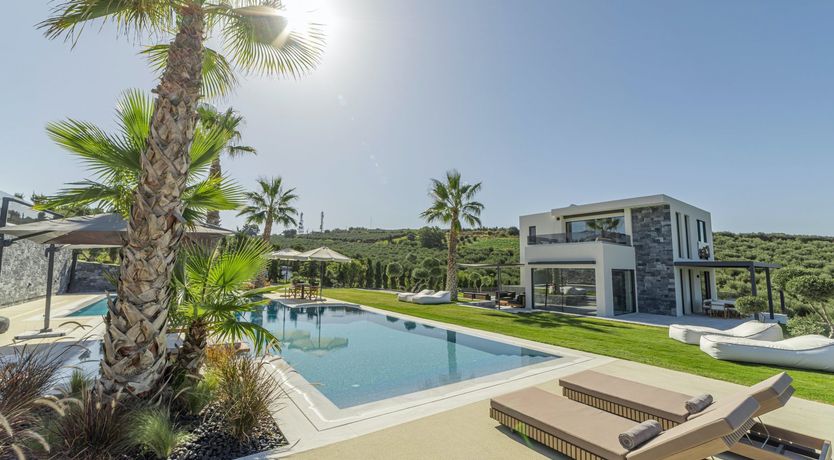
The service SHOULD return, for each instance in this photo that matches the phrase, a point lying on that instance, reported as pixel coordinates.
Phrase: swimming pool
(97, 308)
(354, 356)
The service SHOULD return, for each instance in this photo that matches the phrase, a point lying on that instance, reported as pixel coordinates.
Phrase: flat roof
(725, 264)
(602, 206)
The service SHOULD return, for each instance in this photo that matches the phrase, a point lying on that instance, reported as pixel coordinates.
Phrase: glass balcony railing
(581, 237)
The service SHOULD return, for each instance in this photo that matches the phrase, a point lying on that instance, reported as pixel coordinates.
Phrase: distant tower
(301, 224)
(321, 225)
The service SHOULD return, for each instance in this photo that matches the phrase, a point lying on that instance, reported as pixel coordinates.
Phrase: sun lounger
(407, 296)
(587, 433)
(805, 352)
(751, 330)
(640, 402)
(432, 299)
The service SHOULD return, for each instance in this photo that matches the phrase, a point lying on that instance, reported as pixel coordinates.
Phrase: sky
(728, 106)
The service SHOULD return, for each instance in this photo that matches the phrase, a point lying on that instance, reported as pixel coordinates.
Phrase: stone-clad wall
(23, 272)
(94, 277)
(652, 240)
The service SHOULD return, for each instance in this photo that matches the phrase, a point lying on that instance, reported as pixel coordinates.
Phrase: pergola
(749, 265)
(497, 268)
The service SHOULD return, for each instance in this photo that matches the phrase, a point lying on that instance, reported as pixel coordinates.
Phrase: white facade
(567, 240)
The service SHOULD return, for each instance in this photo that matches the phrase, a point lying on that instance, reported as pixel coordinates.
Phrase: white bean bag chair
(805, 352)
(407, 296)
(431, 299)
(749, 330)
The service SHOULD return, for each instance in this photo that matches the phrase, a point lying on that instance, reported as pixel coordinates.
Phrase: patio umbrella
(96, 231)
(324, 255)
(286, 254)
(99, 230)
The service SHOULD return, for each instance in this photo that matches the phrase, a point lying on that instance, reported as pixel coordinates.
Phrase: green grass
(632, 342)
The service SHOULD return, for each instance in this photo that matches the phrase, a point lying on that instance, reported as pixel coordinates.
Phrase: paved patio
(467, 432)
(27, 317)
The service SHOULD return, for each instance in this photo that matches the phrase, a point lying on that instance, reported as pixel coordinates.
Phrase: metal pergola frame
(750, 266)
(497, 268)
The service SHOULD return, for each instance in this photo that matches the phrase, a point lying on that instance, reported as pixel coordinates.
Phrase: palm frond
(211, 194)
(87, 192)
(69, 18)
(259, 39)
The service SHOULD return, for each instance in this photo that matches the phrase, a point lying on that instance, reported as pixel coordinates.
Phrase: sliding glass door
(571, 290)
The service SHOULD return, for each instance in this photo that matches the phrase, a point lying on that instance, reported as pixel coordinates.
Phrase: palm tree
(230, 121)
(115, 159)
(210, 294)
(453, 202)
(269, 205)
(257, 39)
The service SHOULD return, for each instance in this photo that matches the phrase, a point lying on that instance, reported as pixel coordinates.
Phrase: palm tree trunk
(135, 351)
(452, 263)
(267, 228)
(213, 217)
(190, 356)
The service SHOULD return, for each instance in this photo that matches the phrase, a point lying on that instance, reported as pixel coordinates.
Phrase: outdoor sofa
(804, 352)
(432, 299)
(584, 432)
(407, 296)
(640, 402)
(751, 330)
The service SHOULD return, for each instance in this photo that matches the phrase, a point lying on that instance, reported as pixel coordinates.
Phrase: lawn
(642, 344)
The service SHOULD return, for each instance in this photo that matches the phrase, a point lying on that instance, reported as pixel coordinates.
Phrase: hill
(408, 248)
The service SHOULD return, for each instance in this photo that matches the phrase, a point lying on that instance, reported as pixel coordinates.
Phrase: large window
(702, 232)
(625, 300)
(595, 229)
(565, 289)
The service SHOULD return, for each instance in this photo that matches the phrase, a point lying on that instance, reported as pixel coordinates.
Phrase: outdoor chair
(640, 402)
(584, 432)
(813, 352)
(752, 330)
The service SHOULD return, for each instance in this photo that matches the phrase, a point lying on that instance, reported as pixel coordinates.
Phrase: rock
(4, 324)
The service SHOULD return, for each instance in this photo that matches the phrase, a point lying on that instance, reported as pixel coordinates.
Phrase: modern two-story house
(618, 257)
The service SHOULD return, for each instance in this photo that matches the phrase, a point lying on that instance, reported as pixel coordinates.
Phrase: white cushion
(436, 298)
(805, 352)
(408, 296)
(751, 329)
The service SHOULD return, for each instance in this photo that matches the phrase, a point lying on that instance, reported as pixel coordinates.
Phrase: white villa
(650, 254)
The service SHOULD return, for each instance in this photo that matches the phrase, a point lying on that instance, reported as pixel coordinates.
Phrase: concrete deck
(27, 317)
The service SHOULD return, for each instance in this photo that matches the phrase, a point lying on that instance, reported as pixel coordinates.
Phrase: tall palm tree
(115, 160)
(269, 205)
(257, 39)
(453, 202)
(230, 121)
(210, 296)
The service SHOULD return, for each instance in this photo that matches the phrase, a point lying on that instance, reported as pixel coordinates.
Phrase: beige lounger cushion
(751, 330)
(729, 418)
(583, 426)
(805, 352)
(662, 403)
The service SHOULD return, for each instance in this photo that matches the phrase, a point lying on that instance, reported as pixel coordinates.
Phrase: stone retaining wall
(94, 277)
(23, 272)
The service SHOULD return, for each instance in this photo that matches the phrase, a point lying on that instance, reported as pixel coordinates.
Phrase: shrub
(245, 395)
(26, 376)
(807, 325)
(153, 431)
(751, 305)
(195, 397)
(91, 428)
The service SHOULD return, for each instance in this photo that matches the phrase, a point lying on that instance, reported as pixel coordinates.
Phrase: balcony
(581, 237)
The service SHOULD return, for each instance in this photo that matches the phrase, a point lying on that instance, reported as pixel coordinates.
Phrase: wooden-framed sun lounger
(583, 432)
(640, 402)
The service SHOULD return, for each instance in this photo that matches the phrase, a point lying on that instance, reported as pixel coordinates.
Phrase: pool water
(97, 308)
(354, 356)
